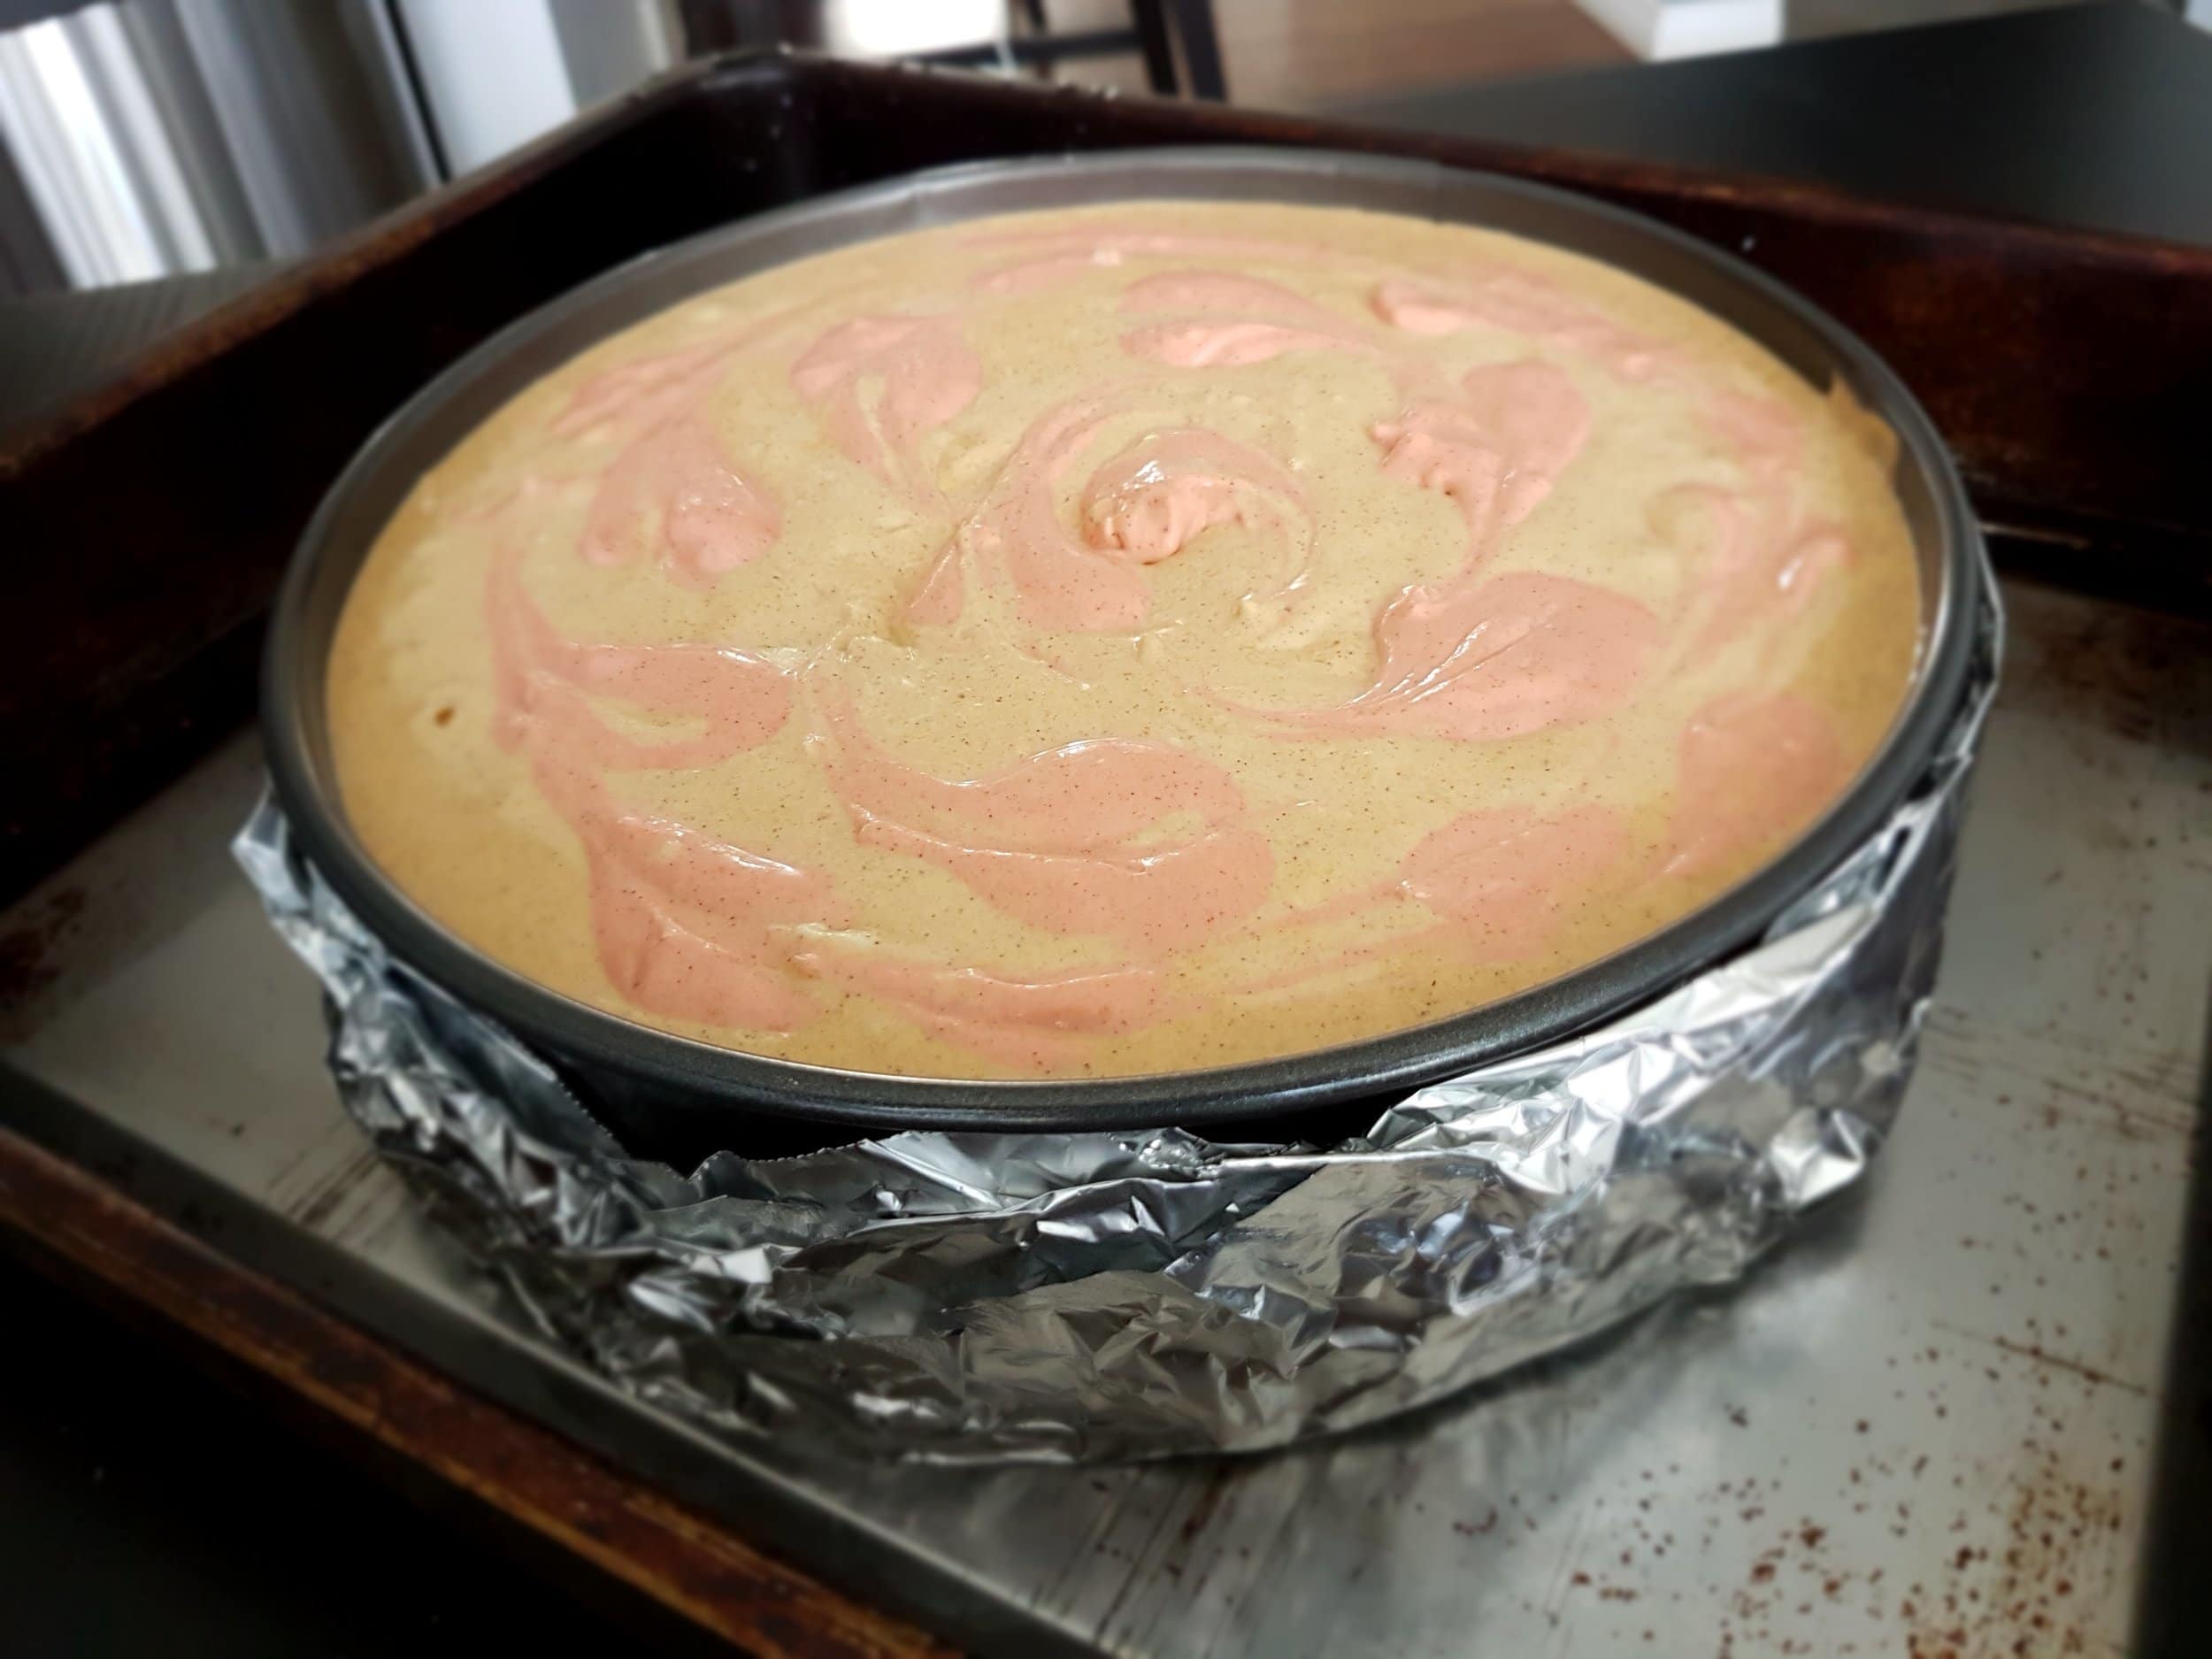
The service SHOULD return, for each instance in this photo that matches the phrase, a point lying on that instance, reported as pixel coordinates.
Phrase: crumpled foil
(1133, 1294)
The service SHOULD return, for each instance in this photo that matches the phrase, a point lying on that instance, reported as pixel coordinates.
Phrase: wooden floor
(1309, 54)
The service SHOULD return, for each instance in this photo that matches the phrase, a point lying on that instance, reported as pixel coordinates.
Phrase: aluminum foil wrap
(1111, 1295)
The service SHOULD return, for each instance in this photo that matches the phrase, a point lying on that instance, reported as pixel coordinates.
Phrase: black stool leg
(1193, 22)
(1150, 17)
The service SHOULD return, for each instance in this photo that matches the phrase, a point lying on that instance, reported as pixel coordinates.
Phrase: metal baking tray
(646, 1080)
(2049, 358)
(2043, 1154)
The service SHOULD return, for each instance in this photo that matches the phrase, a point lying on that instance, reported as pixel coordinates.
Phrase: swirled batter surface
(1121, 640)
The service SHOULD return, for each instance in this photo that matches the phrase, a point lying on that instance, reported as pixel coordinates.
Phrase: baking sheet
(1964, 1366)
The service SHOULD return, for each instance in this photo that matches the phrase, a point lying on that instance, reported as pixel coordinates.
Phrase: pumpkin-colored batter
(1121, 640)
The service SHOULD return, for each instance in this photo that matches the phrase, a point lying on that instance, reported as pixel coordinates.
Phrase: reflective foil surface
(964, 1297)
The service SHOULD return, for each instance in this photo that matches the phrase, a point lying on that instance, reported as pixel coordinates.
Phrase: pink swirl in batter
(1155, 498)
(1057, 257)
(1761, 557)
(1083, 795)
(1756, 559)
(1031, 1024)
(1034, 276)
(685, 925)
(1502, 879)
(1505, 877)
(927, 373)
(1481, 660)
(1750, 771)
(1229, 345)
(544, 684)
(1144, 505)
(1238, 320)
(1015, 538)
(1764, 434)
(646, 392)
(711, 519)
(1493, 660)
(1056, 840)
(1495, 449)
(1214, 291)
(1153, 901)
(1515, 302)
(671, 485)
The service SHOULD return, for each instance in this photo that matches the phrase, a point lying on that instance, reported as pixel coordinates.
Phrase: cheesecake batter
(1121, 640)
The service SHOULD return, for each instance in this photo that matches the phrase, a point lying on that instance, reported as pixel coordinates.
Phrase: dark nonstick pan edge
(702, 1083)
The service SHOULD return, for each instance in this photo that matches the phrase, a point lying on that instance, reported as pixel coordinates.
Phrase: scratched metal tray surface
(1925, 1428)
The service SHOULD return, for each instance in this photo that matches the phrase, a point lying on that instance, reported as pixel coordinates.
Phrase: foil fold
(1114, 1295)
